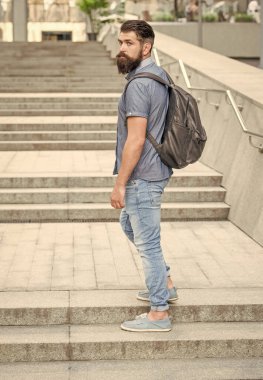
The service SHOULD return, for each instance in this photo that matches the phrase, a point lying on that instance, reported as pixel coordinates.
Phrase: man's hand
(117, 196)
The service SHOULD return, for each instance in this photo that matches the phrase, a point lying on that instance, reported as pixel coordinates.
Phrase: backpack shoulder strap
(157, 79)
(148, 75)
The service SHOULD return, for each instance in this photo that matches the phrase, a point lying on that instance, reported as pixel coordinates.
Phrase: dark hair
(141, 28)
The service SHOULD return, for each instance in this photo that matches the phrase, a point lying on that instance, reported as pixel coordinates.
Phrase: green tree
(89, 7)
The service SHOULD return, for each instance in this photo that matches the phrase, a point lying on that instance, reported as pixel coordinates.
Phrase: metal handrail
(227, 92)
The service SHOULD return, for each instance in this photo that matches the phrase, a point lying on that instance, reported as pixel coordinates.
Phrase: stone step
(92, 79)
(95, 99)
(54, 64)
(57, 145)
(46, 53)
(55, 180)
(48, 60)
(50, 54)
(55, 61)
(89, 307)
(69, 89)
(33, 60)
(180, 179)
(109, 342)
(66, 75)
(58, 135)
(58, 127)
(56, 58)
(60, 112)
(76, 68)
(75, 79)
(185, 369)
(49, 46)
(104, 212)
(64, 81)
(65, 89)
(87, 105)
(25, 65)
(103, 71)
(23, 49)
(102, 195)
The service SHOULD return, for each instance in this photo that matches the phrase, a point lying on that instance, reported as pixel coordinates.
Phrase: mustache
(120, 55)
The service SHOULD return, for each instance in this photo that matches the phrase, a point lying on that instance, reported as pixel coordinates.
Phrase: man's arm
(130, 156)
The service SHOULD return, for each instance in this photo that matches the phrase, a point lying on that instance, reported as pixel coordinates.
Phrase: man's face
(131, 52)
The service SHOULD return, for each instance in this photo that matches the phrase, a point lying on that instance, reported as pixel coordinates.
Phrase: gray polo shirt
(146, 98)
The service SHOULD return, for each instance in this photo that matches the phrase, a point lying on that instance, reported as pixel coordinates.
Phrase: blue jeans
(140, 221)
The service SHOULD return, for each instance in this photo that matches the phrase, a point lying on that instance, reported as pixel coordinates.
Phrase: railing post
(200, 23)
(156, 57)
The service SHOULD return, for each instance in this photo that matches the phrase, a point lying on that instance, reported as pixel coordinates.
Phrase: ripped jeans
(140, 221)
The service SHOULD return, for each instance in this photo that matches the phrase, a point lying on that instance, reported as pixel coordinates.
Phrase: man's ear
(146, 48)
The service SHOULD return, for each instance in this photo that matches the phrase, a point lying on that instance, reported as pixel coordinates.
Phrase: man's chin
(122, 70)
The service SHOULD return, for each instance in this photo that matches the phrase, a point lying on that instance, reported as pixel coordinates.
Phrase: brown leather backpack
(184, 136)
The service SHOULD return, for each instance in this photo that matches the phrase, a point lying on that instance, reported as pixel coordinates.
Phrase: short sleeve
(137, 100)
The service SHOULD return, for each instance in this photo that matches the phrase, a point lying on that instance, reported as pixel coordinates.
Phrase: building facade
(39, 20)
(45, 20)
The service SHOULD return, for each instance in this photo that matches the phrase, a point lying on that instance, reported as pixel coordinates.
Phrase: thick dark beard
(127, 64)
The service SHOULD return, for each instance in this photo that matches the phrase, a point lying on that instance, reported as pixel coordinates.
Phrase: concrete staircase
(75, 81)
(48, 67)
(86, 198)
(217, 333)
(57, 106)
(44, 79)
(59, 136)
(62, 326)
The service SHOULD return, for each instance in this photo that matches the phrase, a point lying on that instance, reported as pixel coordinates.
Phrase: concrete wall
(231, 40)
(227, 150)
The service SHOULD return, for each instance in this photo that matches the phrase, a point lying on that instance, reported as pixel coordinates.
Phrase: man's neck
(143, 63)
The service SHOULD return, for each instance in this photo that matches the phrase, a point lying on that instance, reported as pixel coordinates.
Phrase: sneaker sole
(147, 299)
(145, 330)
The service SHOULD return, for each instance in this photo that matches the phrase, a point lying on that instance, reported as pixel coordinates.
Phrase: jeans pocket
(155, 192)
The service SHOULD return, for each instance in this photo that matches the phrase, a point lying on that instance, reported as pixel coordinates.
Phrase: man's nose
(122, 48)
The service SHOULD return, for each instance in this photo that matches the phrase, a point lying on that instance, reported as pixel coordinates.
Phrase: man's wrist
(120, 183)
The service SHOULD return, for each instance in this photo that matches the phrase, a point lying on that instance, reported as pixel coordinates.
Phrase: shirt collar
(144, 63)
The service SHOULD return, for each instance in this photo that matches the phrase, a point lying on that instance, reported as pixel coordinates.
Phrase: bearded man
(141, 175)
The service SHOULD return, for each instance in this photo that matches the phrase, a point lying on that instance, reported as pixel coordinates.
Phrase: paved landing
(79, 256)
(72, 162)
